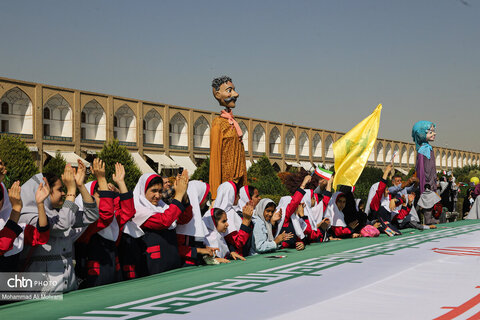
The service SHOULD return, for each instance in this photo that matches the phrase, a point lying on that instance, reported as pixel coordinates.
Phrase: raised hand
(43, 192)
(119, 177)
(277, 216)
(247, 210)
(387, 171)
(181, 184)
(14, 195)
(80, 173)
(305, 181)
(98, 168)
(3, 170)
(119, 174)
(68, 179)
(329, 183)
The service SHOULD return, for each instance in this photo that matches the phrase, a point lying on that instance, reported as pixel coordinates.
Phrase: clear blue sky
(323, 64)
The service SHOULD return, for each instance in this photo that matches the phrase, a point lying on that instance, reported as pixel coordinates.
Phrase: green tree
(56, 165)
(113, 152)
(202, 172)
(262, 176)
(369, 176)
(18, 159)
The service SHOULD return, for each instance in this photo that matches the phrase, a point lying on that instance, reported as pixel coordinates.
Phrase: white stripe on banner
(425, 276)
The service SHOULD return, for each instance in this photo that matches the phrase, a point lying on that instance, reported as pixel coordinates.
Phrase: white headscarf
(112, 230)
(333, 213)
(299, 225)
(226, 194)
(385, 201)
(144, 208)
(244, 197)
(197, 193)
(309, 212)
(29, 204)
(317, 211)
(258, 213)
(214, 238)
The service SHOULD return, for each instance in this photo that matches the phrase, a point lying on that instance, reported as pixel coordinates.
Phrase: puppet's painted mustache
(227, 100)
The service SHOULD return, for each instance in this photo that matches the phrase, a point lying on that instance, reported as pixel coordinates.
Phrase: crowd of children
(98, 233)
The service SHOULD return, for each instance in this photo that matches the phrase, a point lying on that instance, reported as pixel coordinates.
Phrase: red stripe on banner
(461, 309)
(458, 251)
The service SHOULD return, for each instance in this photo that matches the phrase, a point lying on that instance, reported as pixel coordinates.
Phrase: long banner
(420, 275)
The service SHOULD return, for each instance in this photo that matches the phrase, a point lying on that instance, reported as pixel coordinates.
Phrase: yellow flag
(351, 151)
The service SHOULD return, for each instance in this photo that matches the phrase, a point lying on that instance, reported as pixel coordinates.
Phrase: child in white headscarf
(156, 221)
(97, 261)
(191, 236)
(66, 224)
(12, 235)
(216, 221)
(264, 217)
(239, 229)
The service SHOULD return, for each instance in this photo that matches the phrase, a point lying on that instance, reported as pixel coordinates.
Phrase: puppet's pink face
(431, 134)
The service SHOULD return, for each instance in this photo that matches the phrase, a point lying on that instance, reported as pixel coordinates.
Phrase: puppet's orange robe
(227, 155)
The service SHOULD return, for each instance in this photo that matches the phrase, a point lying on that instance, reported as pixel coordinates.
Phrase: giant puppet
(423, 132)
(227, 153)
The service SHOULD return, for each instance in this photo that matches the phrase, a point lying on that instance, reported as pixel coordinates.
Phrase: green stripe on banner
(174, 291)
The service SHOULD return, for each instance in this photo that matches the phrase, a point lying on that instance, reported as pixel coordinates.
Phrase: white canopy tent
(70, 157)
(185, 162)
(164, 162)
(141, 163)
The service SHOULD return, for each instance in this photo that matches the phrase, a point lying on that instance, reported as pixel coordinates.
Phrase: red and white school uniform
(158, 223)
(190, 236)
(13, 236)
(98, 259)
(237, 234)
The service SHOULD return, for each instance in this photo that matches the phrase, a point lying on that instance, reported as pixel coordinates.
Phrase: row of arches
(17, 117)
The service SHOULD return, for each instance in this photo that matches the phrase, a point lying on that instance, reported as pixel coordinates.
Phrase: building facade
(162, 136)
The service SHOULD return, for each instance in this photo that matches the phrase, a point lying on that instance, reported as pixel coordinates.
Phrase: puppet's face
(226, 95)
(431, 134)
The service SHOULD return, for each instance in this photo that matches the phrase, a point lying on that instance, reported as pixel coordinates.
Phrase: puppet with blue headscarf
(423, 132)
